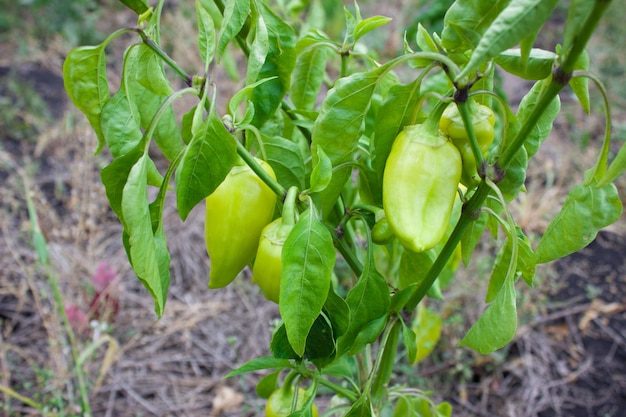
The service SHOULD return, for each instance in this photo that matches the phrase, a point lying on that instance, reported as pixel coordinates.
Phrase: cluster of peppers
(425, 166)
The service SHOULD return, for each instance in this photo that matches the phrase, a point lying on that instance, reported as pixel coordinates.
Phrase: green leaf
(320, 343)
(616, 168)
(205, 163)
(367, 25)
(368, 301)
(338, 312)
(259, 364)
(515, 176)
(235, 14)
(414, 266)
(538, 65)
(114, 177)
(119, 126)
(84, 77)
(267, 385)
(279, 63)
(466, 21)
(144, 250)
(286, 160)
(497, 325)
(580, 85)
(146, 88)
(543, 127)
(308, 262)
(138, 6)
(258, 41)
(338, 127)
(517, 21)
(206, 35)
(322, 172)
(308, 76)
(587, 209)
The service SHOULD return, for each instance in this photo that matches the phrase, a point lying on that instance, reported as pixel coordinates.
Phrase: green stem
(386, 365)
(258, 170)
(166, 58)
(384, 345)
(342, 391)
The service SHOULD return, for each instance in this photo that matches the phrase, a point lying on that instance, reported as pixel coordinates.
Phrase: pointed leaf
(259, 364)
(235, 14)
(308, 262)
(587, 209)
(144, 250)
(580, 85)
(497, 325)
(206, 35)
(259, 47)
(205, 163)
(367, 25)
(308, 76)
(338, 127)
(286, 159)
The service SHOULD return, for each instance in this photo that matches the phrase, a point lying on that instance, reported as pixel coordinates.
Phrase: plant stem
(165, 57)
(258, 170)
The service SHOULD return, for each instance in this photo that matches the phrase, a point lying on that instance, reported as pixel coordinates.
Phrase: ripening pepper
(236, 213)
(483, 122)
(280, 402)
(420, 183)
(268, 264)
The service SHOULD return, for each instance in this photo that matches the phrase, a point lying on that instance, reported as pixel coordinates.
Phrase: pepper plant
(411, 160)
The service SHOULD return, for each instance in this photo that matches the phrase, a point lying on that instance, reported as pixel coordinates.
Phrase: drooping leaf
(586, 210)
(580, 85)
(497, 325)
(308, 261)
(205, 163)
(84, 77)
(120, 129)
(144, 250)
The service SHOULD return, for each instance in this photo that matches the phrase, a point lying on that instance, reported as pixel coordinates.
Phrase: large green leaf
(204, 165)
(235, 14)
(338, 127)
(286, 159)
(587, 209)
(206, 35)
(84, 77)
(308, 261)
(145, 251)
(308, 76)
